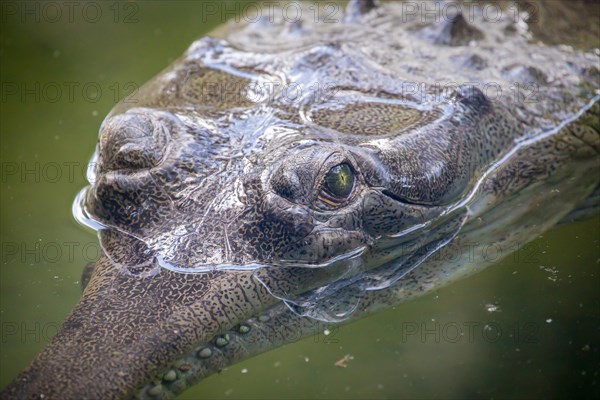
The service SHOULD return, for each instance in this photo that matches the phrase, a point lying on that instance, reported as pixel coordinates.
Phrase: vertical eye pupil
(339, 181)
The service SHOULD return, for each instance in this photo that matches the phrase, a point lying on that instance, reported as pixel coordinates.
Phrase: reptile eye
(338, 184)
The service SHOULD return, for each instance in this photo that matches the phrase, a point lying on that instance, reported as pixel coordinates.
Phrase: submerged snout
(126, 329)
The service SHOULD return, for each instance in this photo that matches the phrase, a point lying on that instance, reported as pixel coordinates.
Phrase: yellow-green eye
(339, 181)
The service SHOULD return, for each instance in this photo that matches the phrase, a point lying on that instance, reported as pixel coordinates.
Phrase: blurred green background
(536, 321)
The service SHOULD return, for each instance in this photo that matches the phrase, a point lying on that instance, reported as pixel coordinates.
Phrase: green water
(543, 341)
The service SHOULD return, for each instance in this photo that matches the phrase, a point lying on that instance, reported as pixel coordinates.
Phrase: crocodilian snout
(133, 141)
(126, 328)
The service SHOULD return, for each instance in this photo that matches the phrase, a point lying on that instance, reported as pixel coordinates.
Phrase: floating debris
(492, 308)
(586, 348)
(343, 362)
(552, 271)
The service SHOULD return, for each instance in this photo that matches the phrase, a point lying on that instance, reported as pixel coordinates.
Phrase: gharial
(286, 172)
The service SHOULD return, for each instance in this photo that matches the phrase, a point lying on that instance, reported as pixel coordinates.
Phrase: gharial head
(213, 166)
(198, 198)
(270, 185)
(242, 176)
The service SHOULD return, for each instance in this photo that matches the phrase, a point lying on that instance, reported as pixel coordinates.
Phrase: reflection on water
(527, 327)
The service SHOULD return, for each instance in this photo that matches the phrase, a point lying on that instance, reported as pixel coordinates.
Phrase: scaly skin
(212, 205)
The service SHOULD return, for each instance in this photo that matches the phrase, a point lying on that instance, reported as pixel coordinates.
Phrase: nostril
(131, 141)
